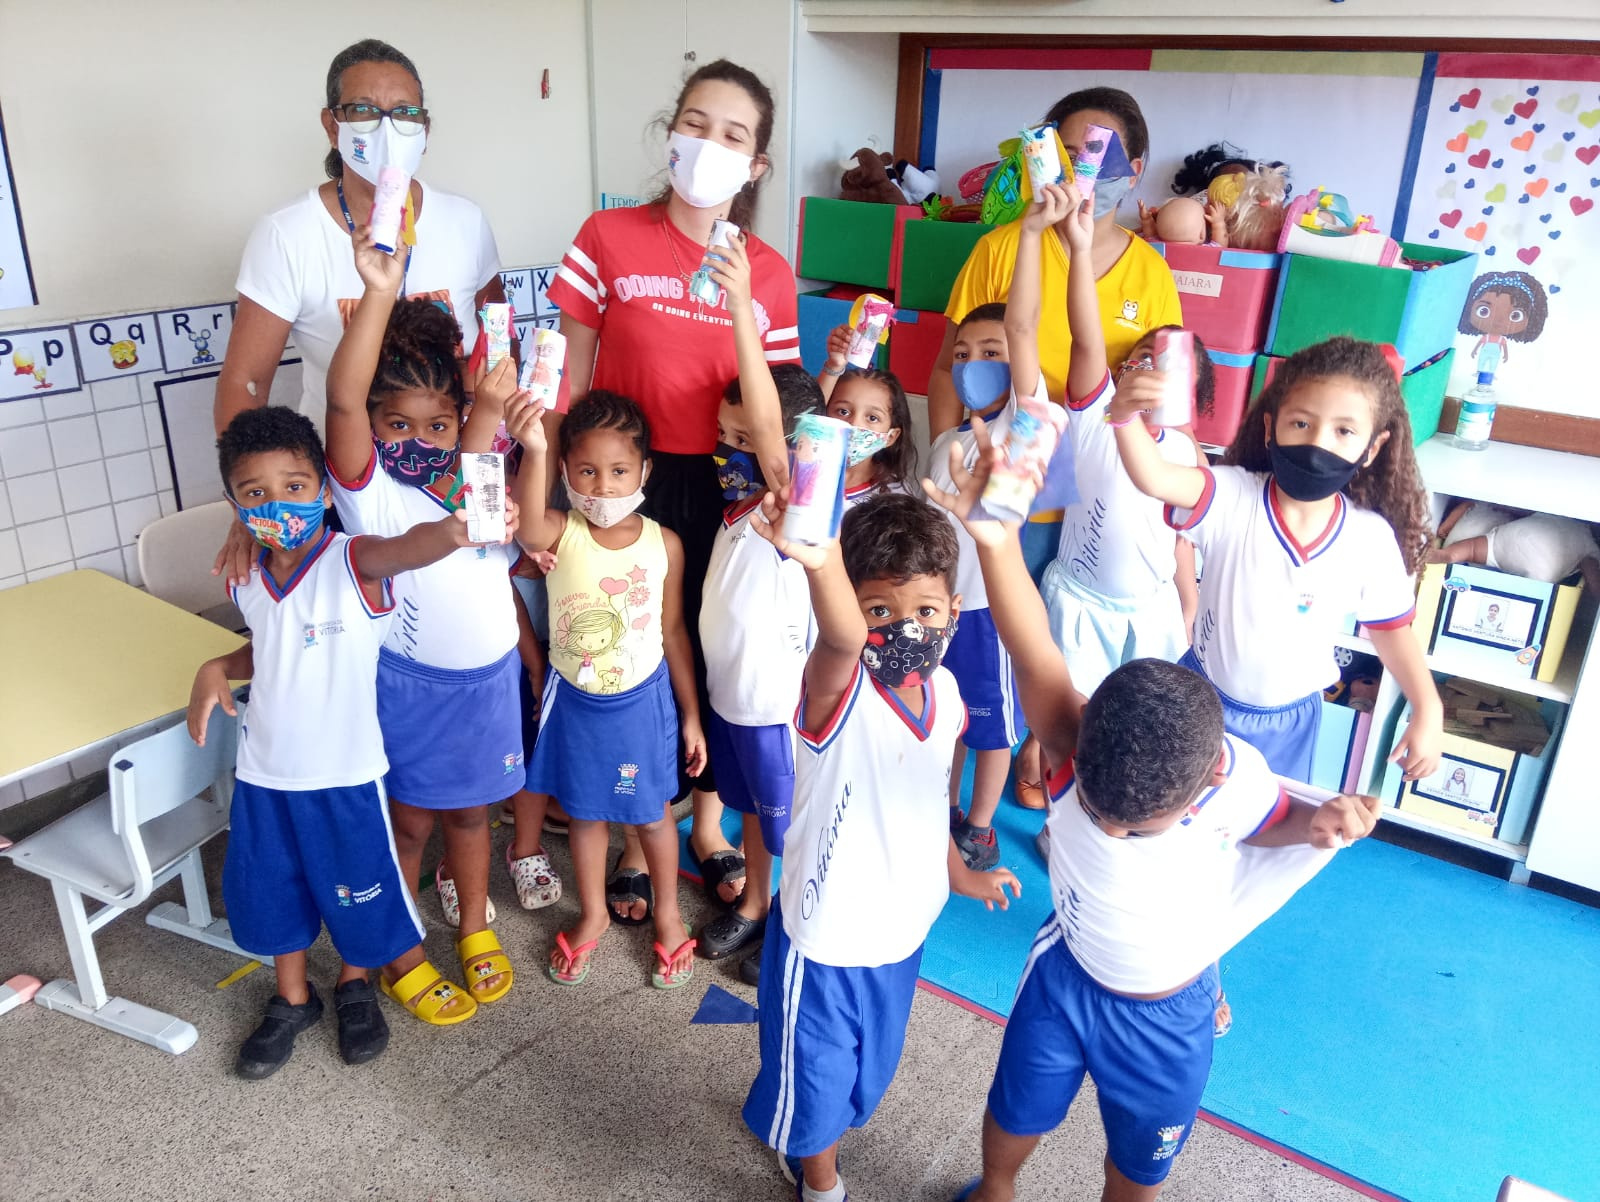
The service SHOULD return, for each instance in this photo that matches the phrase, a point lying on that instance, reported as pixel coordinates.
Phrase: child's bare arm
(1177, 485)
(1044, 685)
(730, 267)
(841, 628)
(355, 362)
(680, 659)
(1187, 583)
(211, 689)
(837, 361)
(379, 559)
(540, 526)
(1418, 747)
(987, 887)
(1335, 823)
(1024, 301)
(1087, 365)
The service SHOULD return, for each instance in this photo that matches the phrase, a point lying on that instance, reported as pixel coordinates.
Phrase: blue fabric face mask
(980, 383)
(284, 525)
(737, 472)
(1109, 193)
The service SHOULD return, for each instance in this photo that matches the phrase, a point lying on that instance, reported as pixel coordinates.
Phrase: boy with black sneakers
(1169, 842)
(868, 862)
(310, 840)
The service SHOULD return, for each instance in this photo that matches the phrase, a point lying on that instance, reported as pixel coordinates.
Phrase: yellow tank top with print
(605, 608)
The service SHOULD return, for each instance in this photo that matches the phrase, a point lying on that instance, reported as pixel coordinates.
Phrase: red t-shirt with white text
(658, 344)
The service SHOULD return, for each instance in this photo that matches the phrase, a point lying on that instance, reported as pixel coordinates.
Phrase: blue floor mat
(1419, 1027)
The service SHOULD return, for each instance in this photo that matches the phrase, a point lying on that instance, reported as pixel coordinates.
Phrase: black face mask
(1309, 473)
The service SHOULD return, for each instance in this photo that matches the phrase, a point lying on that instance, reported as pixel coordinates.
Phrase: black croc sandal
(363, 1031)
(626, 886)
(729, 933)
(272, 1043)
(718, 867)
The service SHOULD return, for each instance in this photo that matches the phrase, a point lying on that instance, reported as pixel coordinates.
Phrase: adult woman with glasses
(298, 273)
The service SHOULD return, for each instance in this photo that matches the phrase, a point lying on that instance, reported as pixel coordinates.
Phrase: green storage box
(849, 241)
(1423, 390)
(1418, 312)
(930, 256)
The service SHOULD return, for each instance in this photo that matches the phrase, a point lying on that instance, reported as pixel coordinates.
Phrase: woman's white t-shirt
(298, 265)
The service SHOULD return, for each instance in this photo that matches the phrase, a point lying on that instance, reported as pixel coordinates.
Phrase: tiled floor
(602, 1092)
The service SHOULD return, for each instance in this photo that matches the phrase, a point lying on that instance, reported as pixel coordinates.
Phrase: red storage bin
(1226, 294)
(914, 342)
(1231, 400)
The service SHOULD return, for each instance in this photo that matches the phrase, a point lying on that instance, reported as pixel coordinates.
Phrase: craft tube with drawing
(544, 360)
(1086, 165)
(388, 207)
(876, 315)
(1174, 358)
(483, 489)
(816, 479)
(1043, 159)
(1029, 443)
(701, 286)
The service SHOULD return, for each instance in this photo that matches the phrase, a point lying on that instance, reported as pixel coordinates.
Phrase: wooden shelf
(1517, 477)
(1515, 852)
(1559, 690)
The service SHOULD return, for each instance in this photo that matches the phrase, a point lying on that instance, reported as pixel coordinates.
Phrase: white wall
(146, 141)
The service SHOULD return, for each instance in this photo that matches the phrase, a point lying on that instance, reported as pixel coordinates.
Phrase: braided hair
(419, 353)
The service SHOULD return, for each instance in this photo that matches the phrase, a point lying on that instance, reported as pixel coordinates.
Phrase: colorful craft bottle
(817, 463)
(701, 286)
(388, 208)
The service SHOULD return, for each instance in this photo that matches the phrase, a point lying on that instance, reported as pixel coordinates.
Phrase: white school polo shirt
(1146, 915)
(865, 862)
(1270, 607)
(314, 639)
(755, 624)
(1115, 539)
(456, 613)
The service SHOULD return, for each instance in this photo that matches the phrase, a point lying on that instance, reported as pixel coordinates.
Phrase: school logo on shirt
(315, 630)
(627, 775)
(511, 761)
(342, 892)
(1169, 1142)
(1305, 602)
(1130, 310)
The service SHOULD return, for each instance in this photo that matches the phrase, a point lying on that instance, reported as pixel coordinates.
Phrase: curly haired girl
(1317, 513)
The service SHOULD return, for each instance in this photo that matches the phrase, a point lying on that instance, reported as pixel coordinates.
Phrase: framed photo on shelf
(1493, 625)
(1491, 618)
(1468, 792)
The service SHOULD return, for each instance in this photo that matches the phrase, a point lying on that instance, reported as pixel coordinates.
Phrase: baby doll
(1182, 220)
(1539, 546)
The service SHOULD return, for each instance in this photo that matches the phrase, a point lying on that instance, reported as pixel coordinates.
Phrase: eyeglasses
(363, 118)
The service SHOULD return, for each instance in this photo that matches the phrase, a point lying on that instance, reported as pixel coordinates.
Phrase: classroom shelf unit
(1565, 838)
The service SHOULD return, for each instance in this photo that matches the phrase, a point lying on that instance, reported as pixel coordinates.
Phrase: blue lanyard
(350, 224)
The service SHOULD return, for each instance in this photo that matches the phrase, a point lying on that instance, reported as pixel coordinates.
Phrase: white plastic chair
(175, 557)
(119, 848)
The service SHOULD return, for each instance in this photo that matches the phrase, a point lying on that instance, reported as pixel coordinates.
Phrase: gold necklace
(676, 262)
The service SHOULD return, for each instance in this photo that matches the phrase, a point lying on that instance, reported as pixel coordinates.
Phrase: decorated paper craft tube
(816, 479)
(1030, 442)
(1086, 166)
(1174, 355)
(544, 359)
(875, 317)
(388, 208)
(1043, 159)
(483, 490)
(701, 286)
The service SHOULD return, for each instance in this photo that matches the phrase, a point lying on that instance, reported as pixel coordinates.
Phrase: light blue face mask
(980, 383)
(1109, 193)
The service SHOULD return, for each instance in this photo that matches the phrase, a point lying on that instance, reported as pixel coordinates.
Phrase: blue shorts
(608, 757)
(831, 1040)
(982, 667)
(300, 858)
(755, 773)
(453, 736)
(1285, 735)
(1149, 1060)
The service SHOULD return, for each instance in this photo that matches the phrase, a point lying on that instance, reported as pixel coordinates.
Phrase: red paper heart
(1523, 140)
(1526, 108)
(1457, 144)
(1528, 254)
(1452, 218)
(1481, 159)
(1469, 100)
(612, 587)
(1580, 206)
(1476, 232)
(1587, 154)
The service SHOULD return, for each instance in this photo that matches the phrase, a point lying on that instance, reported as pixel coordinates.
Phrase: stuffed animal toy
(875, 176)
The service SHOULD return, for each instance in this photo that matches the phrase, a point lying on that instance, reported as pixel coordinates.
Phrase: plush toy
(1321, 224)
(873, 175)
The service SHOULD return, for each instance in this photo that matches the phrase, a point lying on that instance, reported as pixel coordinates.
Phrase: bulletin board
(16, 275)
(1492, 152)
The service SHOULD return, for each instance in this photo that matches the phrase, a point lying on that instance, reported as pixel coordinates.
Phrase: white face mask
(705, 174)
(383, 147)
(605, 511)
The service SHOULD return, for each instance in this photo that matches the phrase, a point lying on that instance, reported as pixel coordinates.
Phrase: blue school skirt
(608, 757)
(453, 735)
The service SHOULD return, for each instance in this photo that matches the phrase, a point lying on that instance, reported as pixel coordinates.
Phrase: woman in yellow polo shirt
(1136, 293)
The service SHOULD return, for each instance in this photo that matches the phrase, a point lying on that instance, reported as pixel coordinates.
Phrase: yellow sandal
(436, 992)
(482, 958)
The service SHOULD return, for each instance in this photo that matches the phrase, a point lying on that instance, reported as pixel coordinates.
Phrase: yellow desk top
(87, 657)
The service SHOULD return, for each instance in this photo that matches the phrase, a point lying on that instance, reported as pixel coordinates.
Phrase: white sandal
(450, 903)
(537, 884)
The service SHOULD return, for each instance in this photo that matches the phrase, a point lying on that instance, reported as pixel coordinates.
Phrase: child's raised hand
(379, 270)
(767, 521)
(988, 887)
(838, 350)
(730, 266)
(496, 389)
(525, 423)
(1342, 820)
(1052, 203)
(970, 483)
(694, 746)
(1418, 749)
(1137, 392)
(1077, 223)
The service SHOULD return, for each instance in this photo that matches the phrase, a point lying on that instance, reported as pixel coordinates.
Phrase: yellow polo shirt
(1137, 295)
